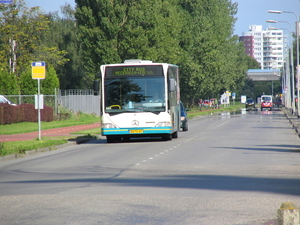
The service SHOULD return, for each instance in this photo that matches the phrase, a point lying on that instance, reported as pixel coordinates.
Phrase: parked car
(184, 118)
(206, 103)
(3, 99)
(277, 102)
(250, 103)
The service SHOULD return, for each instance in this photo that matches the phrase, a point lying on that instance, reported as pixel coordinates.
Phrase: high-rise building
(268, 46)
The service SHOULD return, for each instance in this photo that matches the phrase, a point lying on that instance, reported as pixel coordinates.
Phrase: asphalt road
(227, 169)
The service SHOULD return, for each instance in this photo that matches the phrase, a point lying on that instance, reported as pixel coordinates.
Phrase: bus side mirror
(172, 86)
(96, 87)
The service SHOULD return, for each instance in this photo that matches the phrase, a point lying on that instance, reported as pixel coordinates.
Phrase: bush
(23, 113)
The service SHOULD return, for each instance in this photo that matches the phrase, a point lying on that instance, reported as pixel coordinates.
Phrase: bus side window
(172, 84)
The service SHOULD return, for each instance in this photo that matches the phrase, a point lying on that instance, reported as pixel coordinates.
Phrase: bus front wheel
(167, 137)
(175, 135)
(110, 139)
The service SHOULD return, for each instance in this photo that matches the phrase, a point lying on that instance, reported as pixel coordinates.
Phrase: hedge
(23, 113)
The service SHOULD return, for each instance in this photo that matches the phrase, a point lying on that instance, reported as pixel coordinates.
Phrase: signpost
(233, 98)
(38, 70)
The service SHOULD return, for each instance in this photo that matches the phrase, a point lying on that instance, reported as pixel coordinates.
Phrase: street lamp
(291, 58)
(297, 50)
(278, 21)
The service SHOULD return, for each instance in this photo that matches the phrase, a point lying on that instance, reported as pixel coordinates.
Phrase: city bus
(139, 98)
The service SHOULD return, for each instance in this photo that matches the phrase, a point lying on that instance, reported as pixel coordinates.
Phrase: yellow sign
(38, 70)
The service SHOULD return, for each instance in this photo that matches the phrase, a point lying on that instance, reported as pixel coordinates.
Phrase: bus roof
(138, 61)
(133, 61)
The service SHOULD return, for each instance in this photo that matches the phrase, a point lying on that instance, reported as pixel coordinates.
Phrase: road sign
(38, 70)
(39, 101)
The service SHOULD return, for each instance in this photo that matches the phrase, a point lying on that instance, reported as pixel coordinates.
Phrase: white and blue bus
(139, 98)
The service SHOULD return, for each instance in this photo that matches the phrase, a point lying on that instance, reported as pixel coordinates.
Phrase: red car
(266, 102)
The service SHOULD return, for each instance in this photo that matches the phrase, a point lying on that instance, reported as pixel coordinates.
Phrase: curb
(47, 149)
(293, 119)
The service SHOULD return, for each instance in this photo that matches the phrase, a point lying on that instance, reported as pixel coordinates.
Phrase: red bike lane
(63, 131)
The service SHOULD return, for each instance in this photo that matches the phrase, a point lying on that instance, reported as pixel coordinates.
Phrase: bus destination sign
(134, 70)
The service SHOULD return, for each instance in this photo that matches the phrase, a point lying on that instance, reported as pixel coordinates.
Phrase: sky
(250, 12)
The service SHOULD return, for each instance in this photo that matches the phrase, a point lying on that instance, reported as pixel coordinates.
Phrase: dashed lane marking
(165, 151)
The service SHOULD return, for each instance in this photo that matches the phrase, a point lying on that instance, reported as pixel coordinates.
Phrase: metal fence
(89, 104)
(77, 100)
(49, 100)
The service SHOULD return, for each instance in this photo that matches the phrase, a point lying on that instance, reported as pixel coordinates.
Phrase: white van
(266, 101)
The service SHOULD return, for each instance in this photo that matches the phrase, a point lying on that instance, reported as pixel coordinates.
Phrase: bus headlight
(164, 124)
(108, 125)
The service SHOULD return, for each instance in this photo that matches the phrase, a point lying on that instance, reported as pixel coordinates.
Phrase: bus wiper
(156, 111)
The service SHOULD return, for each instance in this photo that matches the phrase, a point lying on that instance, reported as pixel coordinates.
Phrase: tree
(21, 32)
(112, 31)
(64, 36)
(9, 84)
(215, 62)
(252, 63)
(29, 86)
(195, 34)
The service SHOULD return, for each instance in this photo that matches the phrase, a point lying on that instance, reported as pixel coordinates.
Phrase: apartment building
(268, 46)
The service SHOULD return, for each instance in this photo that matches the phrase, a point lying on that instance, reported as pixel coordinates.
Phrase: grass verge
(20, 147)
(193, 112)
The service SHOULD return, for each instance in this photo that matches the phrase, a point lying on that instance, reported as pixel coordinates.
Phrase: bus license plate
(136, 131)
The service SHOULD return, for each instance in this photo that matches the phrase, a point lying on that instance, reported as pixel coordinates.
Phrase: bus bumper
(137, 132)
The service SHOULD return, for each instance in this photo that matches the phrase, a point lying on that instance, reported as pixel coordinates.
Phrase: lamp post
(291, 59)
(297, 50)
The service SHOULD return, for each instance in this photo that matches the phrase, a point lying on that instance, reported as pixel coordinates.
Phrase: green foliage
(250, 88)
(216, 60)
(267, 88)
(20, 147)
(51, 82)
(197, 35)
(252, 63)
(64, 36)
(29, 86)
(21, 42)
(9, 83)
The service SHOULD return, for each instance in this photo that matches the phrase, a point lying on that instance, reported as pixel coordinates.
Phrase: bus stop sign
(38, 70)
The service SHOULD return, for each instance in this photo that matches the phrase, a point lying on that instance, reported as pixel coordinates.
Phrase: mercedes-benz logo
(135, 123)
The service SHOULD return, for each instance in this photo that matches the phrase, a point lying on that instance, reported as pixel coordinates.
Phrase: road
(227, 169)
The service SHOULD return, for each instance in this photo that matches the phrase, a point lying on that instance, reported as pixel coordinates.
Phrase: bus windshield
(134, 94)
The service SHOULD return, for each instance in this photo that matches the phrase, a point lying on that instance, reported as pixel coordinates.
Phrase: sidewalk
(63, 131)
